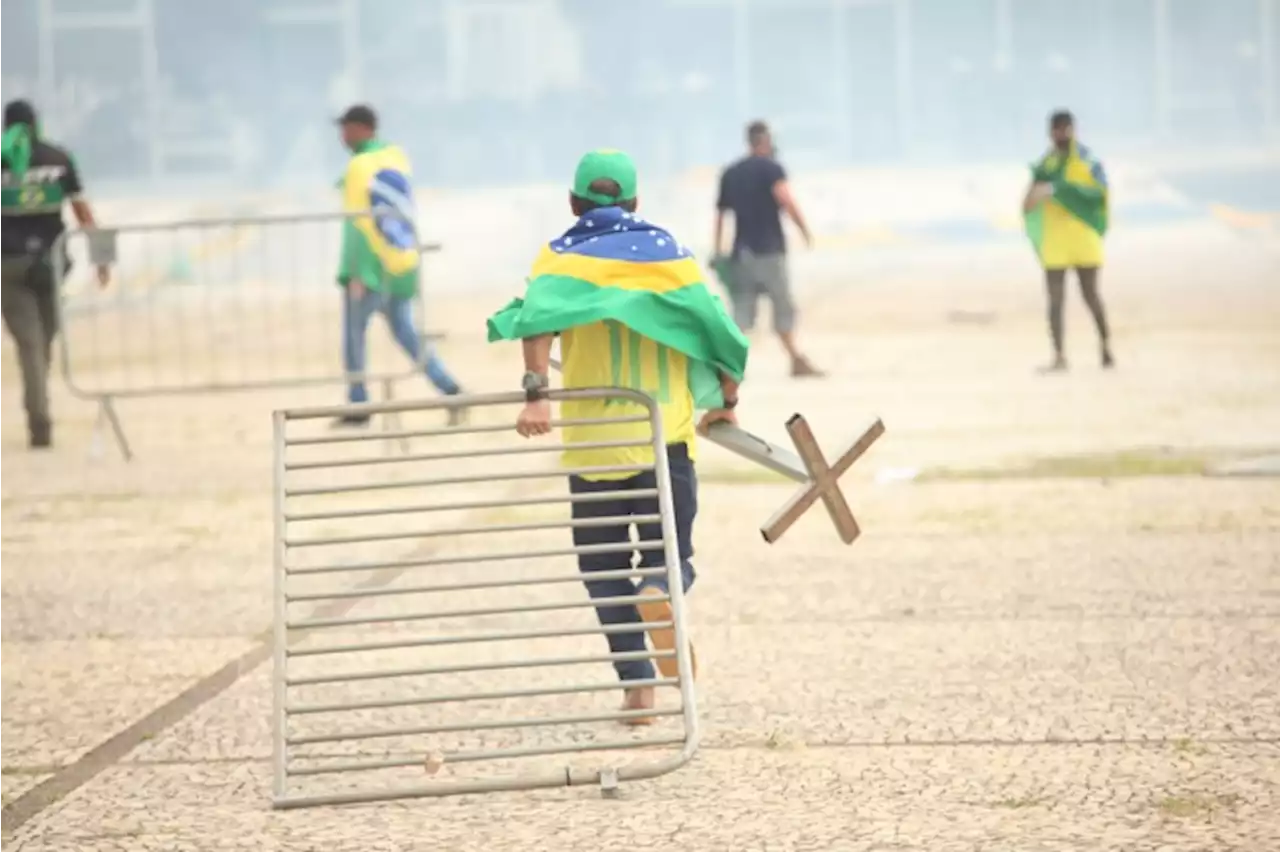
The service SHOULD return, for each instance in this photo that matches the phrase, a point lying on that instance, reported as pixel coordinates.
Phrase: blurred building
(497, 91)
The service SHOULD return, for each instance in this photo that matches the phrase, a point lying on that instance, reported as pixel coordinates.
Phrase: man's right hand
(534, 419)
(356, 289)
(714, 416)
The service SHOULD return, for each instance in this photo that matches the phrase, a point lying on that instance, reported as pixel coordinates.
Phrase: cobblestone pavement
(1075, 663)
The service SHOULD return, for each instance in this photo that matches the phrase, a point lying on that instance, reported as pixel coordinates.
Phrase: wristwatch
(535, 386)
(730, 404)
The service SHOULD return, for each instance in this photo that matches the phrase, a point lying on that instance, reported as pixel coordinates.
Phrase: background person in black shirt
(755, 190)
(38, 177)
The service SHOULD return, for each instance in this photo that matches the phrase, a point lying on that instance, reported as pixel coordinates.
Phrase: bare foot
(637, 698)
(802, 368)
(1057, 365)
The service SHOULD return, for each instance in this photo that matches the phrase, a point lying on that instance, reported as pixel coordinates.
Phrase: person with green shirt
(380, 262)
(38, 179)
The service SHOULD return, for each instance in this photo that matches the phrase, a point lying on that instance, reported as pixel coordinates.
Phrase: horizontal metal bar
(527, 449)
(468, 429)
(489, 754)
(477, 638)
(412, 509)
(336, 218)
(460, 697)
(545, 580)
(624, 600)
(508, 556)
(118, 394)
(545, 662)
(467, 480)
(476, 400)
(532, 526)
(495, 725)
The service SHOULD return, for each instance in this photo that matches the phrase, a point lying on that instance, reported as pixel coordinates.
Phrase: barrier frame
(285, 646)
(102, 244)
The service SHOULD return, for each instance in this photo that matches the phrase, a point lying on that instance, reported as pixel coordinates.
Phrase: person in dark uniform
(38, 178)
(756, 191)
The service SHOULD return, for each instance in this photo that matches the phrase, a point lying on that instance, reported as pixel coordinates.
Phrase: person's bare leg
(778, 286)
(1093, 299)
(1056, 286)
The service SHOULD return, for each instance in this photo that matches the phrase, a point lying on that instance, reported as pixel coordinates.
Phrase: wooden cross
(823, 482)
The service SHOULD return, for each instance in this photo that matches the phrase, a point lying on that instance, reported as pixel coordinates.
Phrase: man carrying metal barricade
(631, 310)
(38, 178)
(380, 263)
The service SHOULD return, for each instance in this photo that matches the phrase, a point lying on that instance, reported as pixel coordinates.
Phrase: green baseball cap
(610, 164)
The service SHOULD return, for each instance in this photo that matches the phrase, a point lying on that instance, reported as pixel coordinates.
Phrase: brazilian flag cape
(381, 251)
(612, 265)
(1085, 200)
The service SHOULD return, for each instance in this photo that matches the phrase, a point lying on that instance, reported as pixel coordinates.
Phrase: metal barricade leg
(391, 420)
(107, 414)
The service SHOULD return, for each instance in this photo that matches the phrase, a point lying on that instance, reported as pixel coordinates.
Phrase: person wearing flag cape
(1066, 211)
(632, 310)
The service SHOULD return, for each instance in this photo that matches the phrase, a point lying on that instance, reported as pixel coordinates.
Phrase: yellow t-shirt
(608, 354)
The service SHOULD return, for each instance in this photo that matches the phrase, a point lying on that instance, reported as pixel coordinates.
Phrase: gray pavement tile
(63, 698)
(909, 797)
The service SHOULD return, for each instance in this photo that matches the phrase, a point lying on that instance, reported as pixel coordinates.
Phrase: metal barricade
(417, 656)
(214, 305)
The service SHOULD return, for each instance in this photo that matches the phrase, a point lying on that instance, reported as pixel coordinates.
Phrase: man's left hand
(714, 416)
(104, 276)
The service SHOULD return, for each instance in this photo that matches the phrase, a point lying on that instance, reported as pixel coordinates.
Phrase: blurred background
(496, 92)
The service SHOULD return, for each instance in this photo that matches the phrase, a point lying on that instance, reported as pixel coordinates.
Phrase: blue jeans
(684, 488)
(399, 315)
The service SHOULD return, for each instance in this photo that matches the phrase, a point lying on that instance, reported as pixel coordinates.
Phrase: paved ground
(1005, 660)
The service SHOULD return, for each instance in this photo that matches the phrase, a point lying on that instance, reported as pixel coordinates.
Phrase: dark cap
(360, 114)
(1061, 118)
(19, 112)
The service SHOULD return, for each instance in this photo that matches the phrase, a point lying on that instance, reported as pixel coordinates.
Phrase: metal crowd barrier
(211, 306)
(432, 633)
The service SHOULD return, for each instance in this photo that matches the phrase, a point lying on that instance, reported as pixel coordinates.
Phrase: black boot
(350, 421)
(457, 413)
(41, 435)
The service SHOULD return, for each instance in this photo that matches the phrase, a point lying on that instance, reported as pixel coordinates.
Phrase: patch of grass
(1186, 745)
(782, 740)
(754, 475)
(969, 518)
(1124, 464)
(1195, 805)
(89, 498)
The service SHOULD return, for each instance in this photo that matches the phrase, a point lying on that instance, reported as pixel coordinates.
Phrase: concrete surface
(1074, 663)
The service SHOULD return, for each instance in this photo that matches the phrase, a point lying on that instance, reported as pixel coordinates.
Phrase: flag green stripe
(633, 360)
(691, 320)
(1034, 225)
(615, 352)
